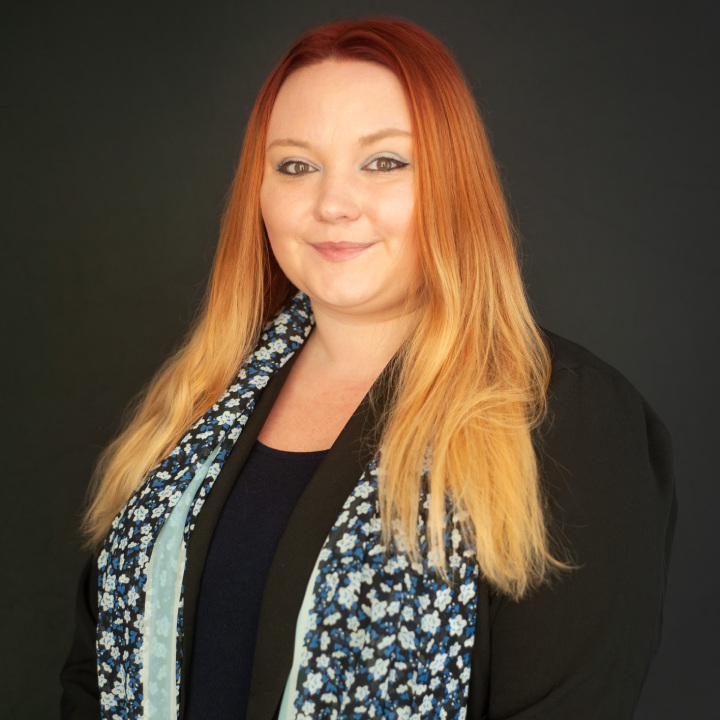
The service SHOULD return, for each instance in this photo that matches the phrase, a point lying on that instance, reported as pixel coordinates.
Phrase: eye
(295, 167)
(385, 163)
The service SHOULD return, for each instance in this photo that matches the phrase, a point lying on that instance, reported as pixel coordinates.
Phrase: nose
(337, 199)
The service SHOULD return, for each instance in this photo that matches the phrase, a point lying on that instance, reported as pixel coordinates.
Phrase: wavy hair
(470, 383)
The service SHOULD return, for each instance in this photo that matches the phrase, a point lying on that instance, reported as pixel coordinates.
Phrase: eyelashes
(295, 167)
(385, 163)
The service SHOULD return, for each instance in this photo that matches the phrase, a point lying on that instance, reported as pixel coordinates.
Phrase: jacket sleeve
(78, 677)
(580, 647)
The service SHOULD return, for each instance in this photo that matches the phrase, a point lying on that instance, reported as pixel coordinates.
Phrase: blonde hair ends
(472, 379)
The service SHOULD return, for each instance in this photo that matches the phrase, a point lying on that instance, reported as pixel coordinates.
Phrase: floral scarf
(377, 636)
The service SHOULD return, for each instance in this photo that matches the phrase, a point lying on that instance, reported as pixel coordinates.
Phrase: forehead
(344, 97)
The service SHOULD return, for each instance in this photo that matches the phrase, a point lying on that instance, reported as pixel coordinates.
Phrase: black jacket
(578, 648)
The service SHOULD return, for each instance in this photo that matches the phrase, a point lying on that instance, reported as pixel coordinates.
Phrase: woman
(408, 501)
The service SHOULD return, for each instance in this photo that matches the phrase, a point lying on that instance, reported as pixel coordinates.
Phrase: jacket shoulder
(569, 355)
(579, 646)
(578, 373)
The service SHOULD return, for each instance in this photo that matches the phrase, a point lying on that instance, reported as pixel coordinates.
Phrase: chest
(311, 410)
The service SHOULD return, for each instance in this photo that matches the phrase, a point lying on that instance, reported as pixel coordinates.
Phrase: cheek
(268, 209)
(281, 212)
(397, 217)
(278, 227)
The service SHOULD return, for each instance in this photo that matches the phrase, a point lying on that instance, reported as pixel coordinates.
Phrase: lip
(340, 251)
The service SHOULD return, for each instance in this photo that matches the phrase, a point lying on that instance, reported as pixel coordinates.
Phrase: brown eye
(384, 164)
(295, 167)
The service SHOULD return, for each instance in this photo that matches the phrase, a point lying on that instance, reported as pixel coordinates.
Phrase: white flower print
(107, 700)
(106, 639)
(357, 638)
(430, 623)
(443, 599)
(106, 601)
(379, 668)
(361, 642)
(364, 489)
(423, 601)
(396, 563)
(426, 705)
(165, 493)
(406, 638)
(467, 593)
(305, 655)
(386, 642)
(367, 574)
(438, 663)
(347, 597)
(457, 625)
(347, 543)
(378, 610)
(331, 581)
(259, 381)
(363, 509)
(313, 683)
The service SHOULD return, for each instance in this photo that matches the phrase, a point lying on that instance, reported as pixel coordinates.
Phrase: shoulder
(581, 383)
(568, 356)
(579, 645)
(605, 456)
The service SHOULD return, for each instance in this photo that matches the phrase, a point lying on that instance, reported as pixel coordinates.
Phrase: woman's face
(338, 193)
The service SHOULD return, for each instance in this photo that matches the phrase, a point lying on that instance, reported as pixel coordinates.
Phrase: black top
(239, 559)
(577, 648)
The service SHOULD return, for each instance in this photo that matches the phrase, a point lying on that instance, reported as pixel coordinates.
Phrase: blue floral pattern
(124, 558)
(386, 637)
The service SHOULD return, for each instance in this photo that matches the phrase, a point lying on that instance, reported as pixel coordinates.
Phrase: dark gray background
(121, 124)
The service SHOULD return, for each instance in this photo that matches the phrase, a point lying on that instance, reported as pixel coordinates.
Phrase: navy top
(239, 558)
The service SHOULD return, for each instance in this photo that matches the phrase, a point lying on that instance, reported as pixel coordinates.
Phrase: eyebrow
(381, 135)
(288, 141)
(363, 141)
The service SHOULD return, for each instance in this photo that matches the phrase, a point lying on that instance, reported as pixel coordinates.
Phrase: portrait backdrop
(121, 124)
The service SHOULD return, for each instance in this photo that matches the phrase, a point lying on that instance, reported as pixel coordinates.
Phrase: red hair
(471, 379)
(446, 132)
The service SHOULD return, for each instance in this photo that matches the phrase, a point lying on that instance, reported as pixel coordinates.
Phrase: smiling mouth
(339, 251)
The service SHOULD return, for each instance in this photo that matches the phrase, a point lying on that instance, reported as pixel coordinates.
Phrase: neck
(354, 347)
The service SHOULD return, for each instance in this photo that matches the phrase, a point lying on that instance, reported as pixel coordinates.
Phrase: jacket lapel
(302, 540)
(201, 537)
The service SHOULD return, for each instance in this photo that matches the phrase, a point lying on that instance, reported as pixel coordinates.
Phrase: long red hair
(472, 378)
